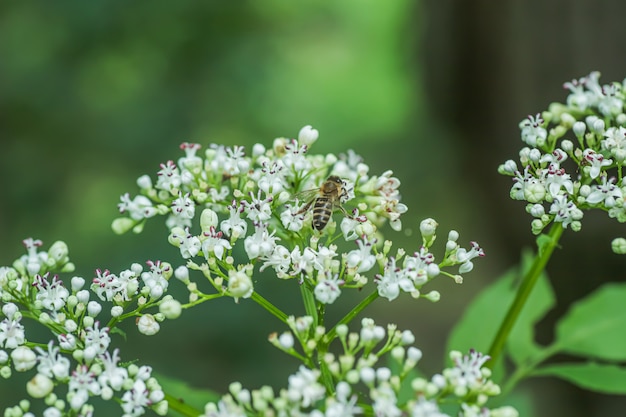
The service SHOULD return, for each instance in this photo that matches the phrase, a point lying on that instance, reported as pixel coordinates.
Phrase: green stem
(350, 316)
(271, 308)
(545, 249)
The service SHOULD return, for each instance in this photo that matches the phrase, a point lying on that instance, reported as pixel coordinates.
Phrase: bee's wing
(305, 195)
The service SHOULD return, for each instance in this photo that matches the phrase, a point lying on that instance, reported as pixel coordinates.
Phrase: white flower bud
(70, 326)
(579, 128)
(117, 311)
(286, 340)
(534, 155)
(9, 310)
(148, 325)
(208, 219)
(240, 285)
(144, 182)
(433, 296)
(368, 375)
(428, 227)
(618, 245)
(58, 251)
(77, 283)
(453, 235)
(537, 210)
(170, 308)
(93, 308)
(39, 386)
(258, 150)
(122, 225)
(567, 145)
(383, 374)
(414, 354)
(308, 135)
(407, 337)
(598, 126)
(23, 358)
(82, 296)
(182, 273)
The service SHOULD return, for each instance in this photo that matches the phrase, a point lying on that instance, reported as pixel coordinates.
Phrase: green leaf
(183, 399)
(610, 379)
(480, 322)
(481, 319)
(594, 326)
(521, 344)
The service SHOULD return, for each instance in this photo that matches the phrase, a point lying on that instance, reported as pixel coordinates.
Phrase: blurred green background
(95, 94)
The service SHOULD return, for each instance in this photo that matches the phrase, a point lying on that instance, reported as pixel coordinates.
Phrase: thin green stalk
(278, 313)
(545, 250)
(351, 315)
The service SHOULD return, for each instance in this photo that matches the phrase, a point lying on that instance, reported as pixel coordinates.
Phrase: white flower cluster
(79, 355)
(272, 203)
(574, 156)
(362, 386)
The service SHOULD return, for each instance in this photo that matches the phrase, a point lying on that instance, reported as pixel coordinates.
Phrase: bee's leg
(305, 208)
(345, 212)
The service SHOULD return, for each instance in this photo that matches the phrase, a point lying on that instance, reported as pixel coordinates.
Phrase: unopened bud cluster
(360, 382)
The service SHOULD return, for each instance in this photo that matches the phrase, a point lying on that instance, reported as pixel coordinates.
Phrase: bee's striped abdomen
(322, 210)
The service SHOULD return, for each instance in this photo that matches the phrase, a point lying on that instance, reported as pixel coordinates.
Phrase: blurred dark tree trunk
(488, 64)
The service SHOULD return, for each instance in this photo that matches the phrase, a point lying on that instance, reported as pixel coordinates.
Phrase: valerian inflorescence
(573, 158)
(231, 197)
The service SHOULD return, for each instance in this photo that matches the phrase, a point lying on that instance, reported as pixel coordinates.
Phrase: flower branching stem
(545, 249)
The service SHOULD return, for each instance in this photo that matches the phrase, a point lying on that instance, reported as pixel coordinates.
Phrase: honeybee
(328, 198)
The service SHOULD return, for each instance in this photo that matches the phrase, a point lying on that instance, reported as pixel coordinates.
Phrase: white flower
(362, 259)
(96, 341)
(235, 226)
(214, 243)
(183, 206)
(138, 208)
(280, 260)
(385, 402)
(304, 388)
(596, 162)
(11, 334)
(112, 375)
(532, 131)
(259, 210)
(393, 280)
(51, 364)
(467, 369)
(169, 178)
(239, 284)
(328, 289)
(302, 261)
(135, 400)
(426, 408)
(271, 180)
(565, 211)
(261, 243)
(465, 257)
(607, 193)
(81, 385)
(154, 280)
